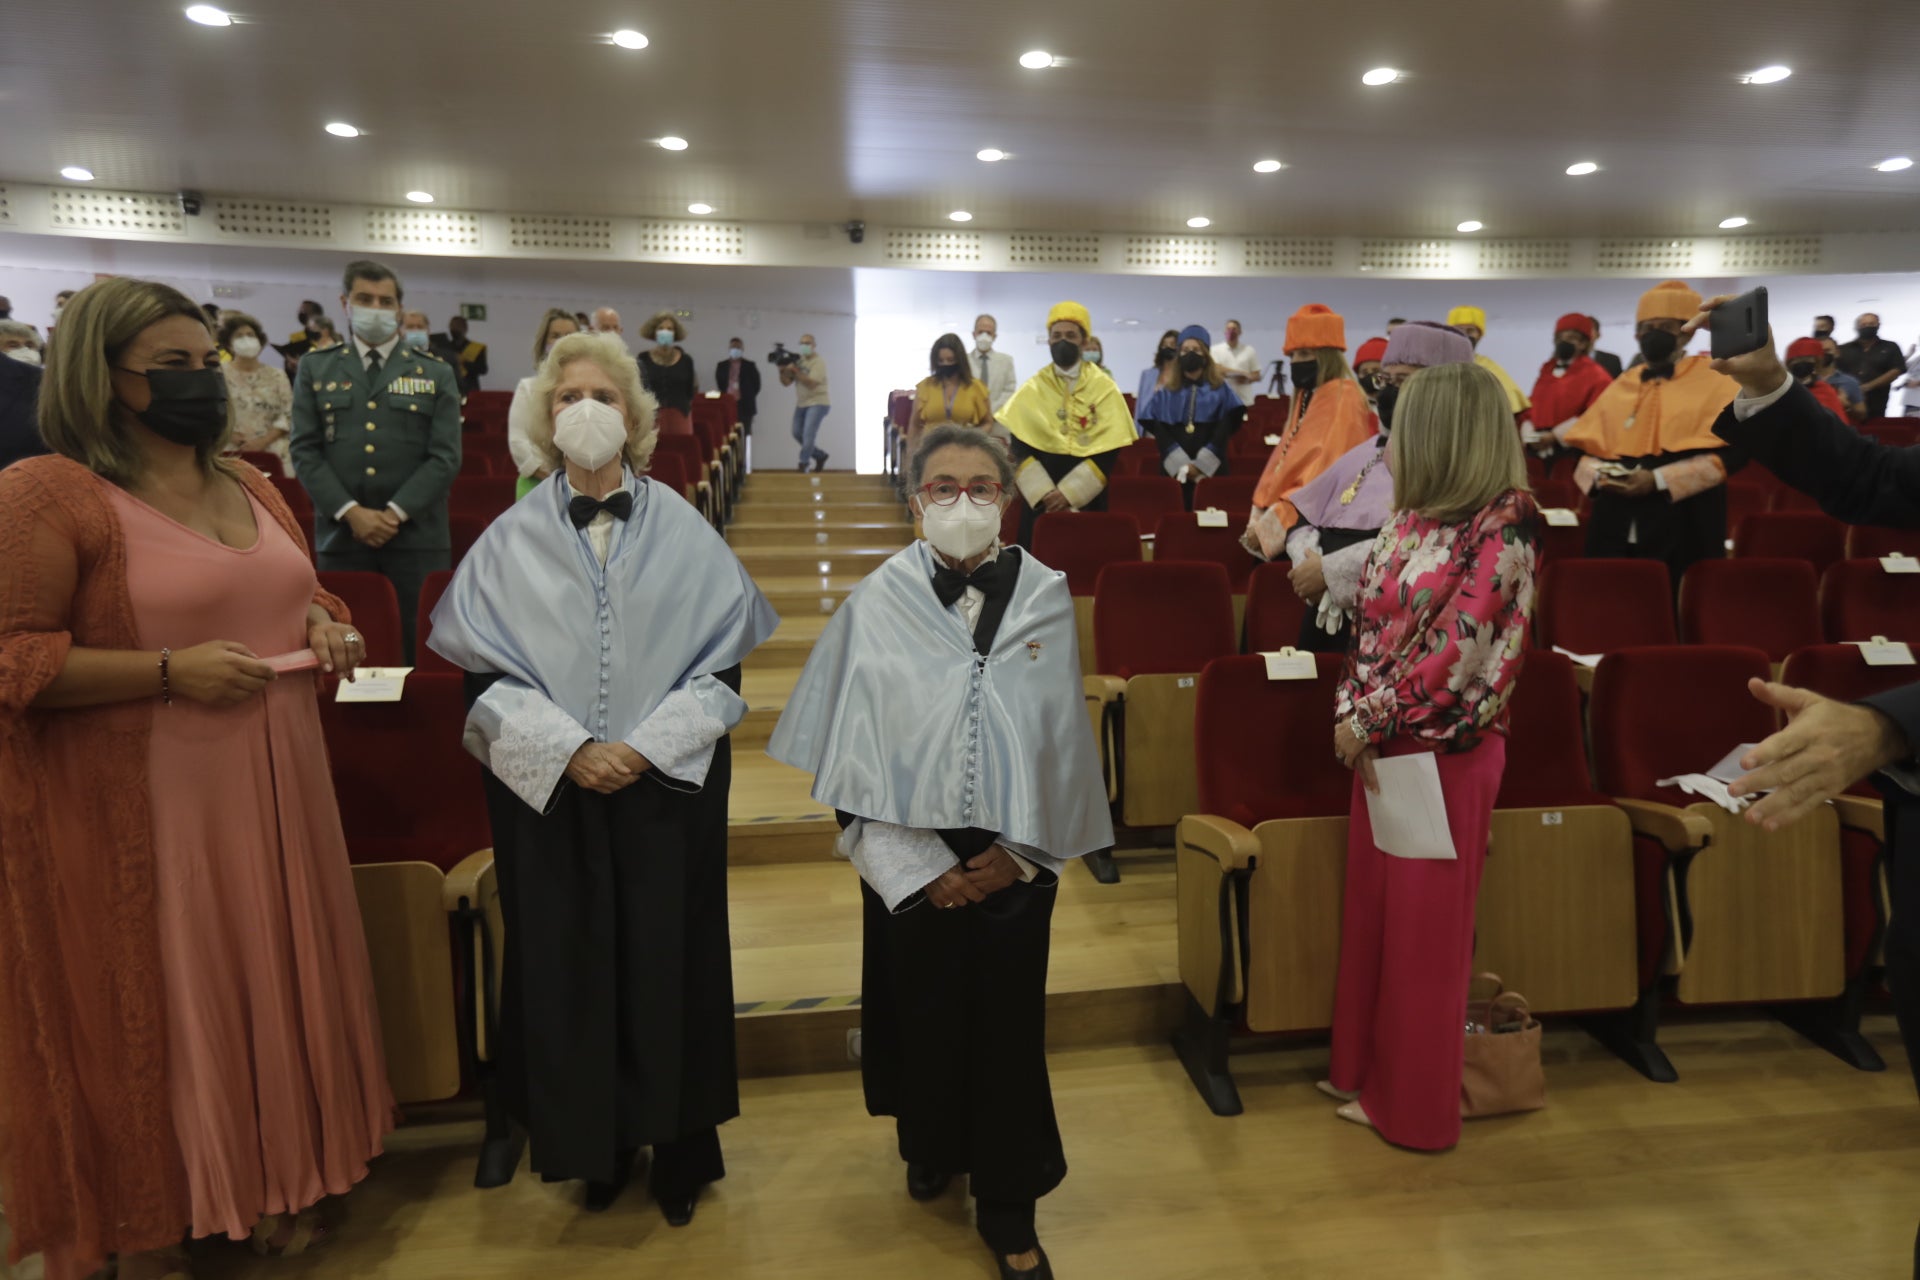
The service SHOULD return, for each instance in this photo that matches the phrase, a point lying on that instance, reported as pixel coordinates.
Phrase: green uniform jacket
(392, 439)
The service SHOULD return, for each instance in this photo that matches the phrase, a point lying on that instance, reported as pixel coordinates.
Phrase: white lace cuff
(679, 737)
(524, 740)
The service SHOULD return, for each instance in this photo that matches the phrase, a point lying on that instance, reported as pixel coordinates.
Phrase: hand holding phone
(1739, 325)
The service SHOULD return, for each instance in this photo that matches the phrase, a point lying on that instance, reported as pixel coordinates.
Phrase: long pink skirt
(1406, 948)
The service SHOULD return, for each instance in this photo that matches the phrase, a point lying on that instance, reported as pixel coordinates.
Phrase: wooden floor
(1769, 1160)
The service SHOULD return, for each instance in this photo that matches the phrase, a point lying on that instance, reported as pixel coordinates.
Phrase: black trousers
(406, 570)
(1006, 1225)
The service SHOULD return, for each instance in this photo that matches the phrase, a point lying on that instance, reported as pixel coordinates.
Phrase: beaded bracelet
(166, 682)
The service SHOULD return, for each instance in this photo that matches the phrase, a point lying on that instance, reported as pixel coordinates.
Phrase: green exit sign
(473, 311)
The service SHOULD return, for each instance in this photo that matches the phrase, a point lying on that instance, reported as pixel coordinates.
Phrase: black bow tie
(950, 584)
(583, 509)
(1654, 372)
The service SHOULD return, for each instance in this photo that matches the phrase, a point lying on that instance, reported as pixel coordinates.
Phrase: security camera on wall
(856, 232)
(191, 203)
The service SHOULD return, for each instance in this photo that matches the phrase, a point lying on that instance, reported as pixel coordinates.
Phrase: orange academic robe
(1335, 420)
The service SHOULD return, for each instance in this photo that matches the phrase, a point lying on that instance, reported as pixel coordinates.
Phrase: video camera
(780, 357)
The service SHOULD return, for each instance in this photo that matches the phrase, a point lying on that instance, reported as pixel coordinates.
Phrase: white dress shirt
(1240, 359)
(386, 354)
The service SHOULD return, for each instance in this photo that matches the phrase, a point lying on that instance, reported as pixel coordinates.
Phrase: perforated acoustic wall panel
(1285, 256)
(698, 240)
(424, 230)
(116, 212)
(273, 221)
(38, 209)
(933, 248)
(1053, 249)
(559, 231)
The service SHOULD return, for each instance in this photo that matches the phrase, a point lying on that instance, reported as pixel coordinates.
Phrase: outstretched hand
(1826, 747)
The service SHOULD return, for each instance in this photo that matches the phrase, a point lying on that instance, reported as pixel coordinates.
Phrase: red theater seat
(1155, 619)
(1275, 612)
(1769, 604)
(1791, 535)
(1601, 606)
(1231, 494)
(1080, 544)
(1180, 537)
(1859, 600)
(370, 598)
(1145, 497)
(425, 659)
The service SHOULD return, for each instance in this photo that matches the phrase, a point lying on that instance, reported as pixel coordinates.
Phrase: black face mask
(1369, 382)
(1305, 374)
(1823, 333)
(1658, 346)
(1383, 405)
(1564, 351)
(946, 371)
(1193, 361)
(1066, 352)
(1801, 369)
(1163, 355)
(189, 406)
(1868, 332)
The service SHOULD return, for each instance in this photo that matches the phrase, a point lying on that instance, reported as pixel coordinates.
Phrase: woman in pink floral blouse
(1443, 611)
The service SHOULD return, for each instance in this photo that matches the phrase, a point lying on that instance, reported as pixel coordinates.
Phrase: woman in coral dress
(190, 1044)
(1443, 609)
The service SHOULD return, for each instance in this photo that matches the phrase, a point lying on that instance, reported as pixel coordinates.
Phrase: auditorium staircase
(807, 540)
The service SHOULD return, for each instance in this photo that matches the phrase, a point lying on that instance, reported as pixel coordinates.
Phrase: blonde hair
(546, 329)
(610, 353)
(671, 321)
(1454, 448)
(78, 412)
(1333, 365)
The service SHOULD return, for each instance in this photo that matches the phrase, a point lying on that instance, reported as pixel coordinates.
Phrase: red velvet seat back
(1141, 458)
(721, 411)
(1082, 543)
(1145, 497)
(1160, 619)
(1870, 542)
(1180, 537)
(1274, 611)
(1791, 535)
(463, 531)
(1599, 606)
(1661, 712)
(376, 612)
(424, 658)
(1264, 748)
(483, 496)
(1769, 604)
(1231, 494)
(1546, 743)
(1860, 600)
(687, 449)
(1838, 671)
(900, 408)
(407, 789)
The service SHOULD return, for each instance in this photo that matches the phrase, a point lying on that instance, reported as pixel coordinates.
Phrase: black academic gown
(616, 1017)
(953, 1018)
(1057, 466)
(1679, 534)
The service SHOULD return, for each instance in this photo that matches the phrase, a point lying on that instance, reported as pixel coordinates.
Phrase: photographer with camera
(806, 372)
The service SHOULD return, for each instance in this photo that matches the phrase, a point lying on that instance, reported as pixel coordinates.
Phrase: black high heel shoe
(601, 1195)
(1042, 1272)
(925, 1183)
(677, 1207)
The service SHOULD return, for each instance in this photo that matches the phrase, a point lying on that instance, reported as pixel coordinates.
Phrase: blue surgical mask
(735, 353)
(806, 348)
(415, 338)
(663, 336)
(1093, 356)
(374, 325)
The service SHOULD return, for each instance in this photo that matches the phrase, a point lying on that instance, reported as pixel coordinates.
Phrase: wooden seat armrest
(1678, 830)
(1862, 813)
(1225, 841)
(1104, 688)
(468, 880)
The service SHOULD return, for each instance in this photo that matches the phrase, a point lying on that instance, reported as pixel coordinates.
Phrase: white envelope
(1409, 812)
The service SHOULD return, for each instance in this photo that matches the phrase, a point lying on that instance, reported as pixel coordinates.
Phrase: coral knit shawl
(88, 1155)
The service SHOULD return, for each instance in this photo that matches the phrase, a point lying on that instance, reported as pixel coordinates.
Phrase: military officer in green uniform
(376, 443)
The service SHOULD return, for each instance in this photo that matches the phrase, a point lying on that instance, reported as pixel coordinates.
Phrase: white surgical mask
(984, 341)
(246, 348)
(806, 348)
(663, 336)
(374, 325)
(590, 432)
(416, 338)
(25, 355)
(962, 530)
(735, 353)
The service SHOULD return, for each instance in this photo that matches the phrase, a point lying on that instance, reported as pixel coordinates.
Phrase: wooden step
(764, 790)
(793, 597)
(762, 511)
(793, 486)
(772, 842)
(821, 533)
(817, 563)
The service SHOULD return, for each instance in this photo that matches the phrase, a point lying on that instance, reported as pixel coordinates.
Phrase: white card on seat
(1899, 563)
(1882, 652)
(1212, 518)
(1290, 664)
(1561, 517)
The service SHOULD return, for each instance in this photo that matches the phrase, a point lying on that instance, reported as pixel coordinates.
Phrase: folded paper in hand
(1713, 785)
(1409, 812)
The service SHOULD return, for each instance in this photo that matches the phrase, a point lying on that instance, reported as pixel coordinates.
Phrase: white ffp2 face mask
(25, 355)
(984, 341)
(962, 530)
(590, 432)
(246, 348)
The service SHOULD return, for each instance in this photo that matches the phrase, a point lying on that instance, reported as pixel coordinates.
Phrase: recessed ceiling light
(672, 143)
(1379, 76)
(339, 129)
(1769, 75)
(1582, 169)
(420, 197)
(960, 215)
(990, 154)
(1728, 224)
(700, 208)
(208, 16)
(1197, 223)
(1037, 60)
(1267, 166)
(74, 173)
(628, 38)
(1469, 225)
(1894, 164)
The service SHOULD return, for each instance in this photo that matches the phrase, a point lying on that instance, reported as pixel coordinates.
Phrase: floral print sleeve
(1443, 613)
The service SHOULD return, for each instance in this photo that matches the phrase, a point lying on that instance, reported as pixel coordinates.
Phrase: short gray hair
(20, 329)
(950, 433)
